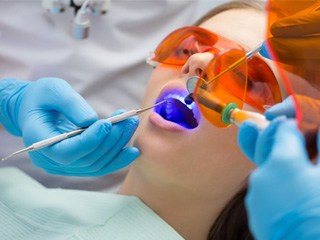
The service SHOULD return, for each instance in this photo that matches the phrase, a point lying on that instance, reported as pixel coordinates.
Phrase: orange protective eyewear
(251, 82)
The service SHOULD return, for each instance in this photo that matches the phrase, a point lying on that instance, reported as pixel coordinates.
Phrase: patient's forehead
(245, 25)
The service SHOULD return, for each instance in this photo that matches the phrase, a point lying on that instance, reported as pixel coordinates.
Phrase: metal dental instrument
(248, 55)
(58, 138)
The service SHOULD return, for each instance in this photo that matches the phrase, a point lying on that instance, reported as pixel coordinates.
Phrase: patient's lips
(174, 114)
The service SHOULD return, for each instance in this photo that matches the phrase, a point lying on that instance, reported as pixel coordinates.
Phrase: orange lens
(181, 44)
(212, 96)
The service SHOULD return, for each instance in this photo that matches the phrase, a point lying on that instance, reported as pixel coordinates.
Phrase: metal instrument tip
(159, 103)
(147, 108)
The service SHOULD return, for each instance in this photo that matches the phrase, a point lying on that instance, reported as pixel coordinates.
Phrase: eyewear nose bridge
(179, 45)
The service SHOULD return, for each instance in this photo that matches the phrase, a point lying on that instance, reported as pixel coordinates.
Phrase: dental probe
(248, 55)
(230, 113)
(60, 137)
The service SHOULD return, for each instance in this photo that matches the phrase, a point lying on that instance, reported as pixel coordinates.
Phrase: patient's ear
(262, 89)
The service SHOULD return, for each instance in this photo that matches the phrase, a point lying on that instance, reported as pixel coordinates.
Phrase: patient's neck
(190, 214)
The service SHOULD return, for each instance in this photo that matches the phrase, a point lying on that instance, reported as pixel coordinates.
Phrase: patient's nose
(196, 64)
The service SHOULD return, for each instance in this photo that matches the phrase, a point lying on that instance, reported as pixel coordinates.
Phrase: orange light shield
(294, 43)
(213, 96)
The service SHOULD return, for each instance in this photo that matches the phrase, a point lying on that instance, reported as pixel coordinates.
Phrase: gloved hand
(283, 198)
(48, 107)
(296, 38)
(310, 107)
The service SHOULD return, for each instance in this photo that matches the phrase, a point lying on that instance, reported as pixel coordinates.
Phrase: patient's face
(204, 157)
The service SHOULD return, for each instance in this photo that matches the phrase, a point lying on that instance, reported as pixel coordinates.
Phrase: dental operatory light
(82, 9)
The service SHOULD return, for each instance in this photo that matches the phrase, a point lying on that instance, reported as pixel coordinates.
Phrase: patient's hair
(232, 223)
(236, 4)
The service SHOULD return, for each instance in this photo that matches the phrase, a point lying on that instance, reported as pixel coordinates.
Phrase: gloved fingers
(91, 164)
(251, 199)
(88, 153)
(285, 108)
(43, 162)
(102, 167)
(47, 124)
(307, 105)
(118, 112)
(49, 165)
(265, 141)
(128, 128)
(247, 138)
(123, 159)
(286, 153)
(111, 156)
(303, 23)
(71, 149)
(40, 126)
(118, 137)
(288, 150)
(85, 148)
(60, 96)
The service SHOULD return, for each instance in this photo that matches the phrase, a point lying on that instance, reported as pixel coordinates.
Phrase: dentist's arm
(310, 109)
(283, 199)
(49, 106)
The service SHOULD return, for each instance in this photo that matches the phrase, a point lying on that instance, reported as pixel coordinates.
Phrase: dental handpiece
(230, 113)
(60, 137)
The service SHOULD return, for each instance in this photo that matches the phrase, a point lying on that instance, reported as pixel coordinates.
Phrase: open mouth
(175, 110)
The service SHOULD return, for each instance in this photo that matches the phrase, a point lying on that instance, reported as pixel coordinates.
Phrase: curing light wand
(230, 113)
(58, 138)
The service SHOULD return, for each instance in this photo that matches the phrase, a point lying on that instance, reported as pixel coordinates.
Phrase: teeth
(181, 99)
(169, 109)
(175, 109)
(175, 96)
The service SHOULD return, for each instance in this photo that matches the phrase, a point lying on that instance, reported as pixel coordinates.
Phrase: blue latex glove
(48, 107)
(308, 106)
(248, 132)
(248, 139)
(283, 199)
(285, 108)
